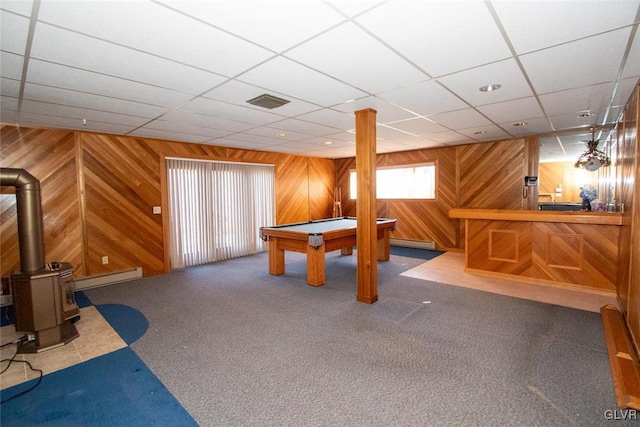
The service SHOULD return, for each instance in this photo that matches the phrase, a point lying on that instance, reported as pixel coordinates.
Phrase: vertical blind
(217, 209)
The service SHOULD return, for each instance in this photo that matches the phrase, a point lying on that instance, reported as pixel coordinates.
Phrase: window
(406, 182)
(217, 209)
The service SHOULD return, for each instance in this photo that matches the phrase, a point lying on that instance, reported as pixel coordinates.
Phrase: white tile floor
(96, 338)
(449, 268)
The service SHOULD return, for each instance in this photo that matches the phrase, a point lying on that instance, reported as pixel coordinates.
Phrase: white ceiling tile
(57, 110)
(185, 128)
(533, 126)
(417, 126)
(449, 138)
(329, 117)
(534, 25)
(484, 133)
(330, 54)
(466, 84)
(8, 115)
(52, 95)
(460, 119)
(625, 89)
(231, 112)
(9, 87)
(158, 30)
(34, 119)
(512, 111)
(14, 30)
(440, 37)
(352, 8)
(99, 84)
(196, 119)
(290, 78)
(305, 127)
(424, 98)
(571, 121)
(385, 111)
(9, 103)
(632, 66)
(593, 98)
(238, 93)
(11, 65)
(234, 143)
(64, 47)
(275, 132)
(574, 65)
(326, 142)
(169, 135)
(276, 25)
(22, 7)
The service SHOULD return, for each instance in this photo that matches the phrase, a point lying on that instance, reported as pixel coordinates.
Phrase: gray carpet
(237, 346)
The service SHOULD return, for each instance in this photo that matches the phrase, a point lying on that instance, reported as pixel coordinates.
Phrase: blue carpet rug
(128, 322)
(116, 389)
(415, 252)
(112, 390)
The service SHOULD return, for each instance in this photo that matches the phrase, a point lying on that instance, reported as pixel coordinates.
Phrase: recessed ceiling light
(281, 134)
(328, 142)
(489, 88)
(584, 114)
(480, 132)
(520, 124)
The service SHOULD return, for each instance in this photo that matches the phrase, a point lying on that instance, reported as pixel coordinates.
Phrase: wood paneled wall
(628, 198)
(98, 194)
(467, 177)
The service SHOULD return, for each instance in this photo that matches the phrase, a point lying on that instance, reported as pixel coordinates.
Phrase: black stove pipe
(29, 209)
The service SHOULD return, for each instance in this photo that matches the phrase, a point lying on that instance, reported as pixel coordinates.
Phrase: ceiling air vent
(268, 101)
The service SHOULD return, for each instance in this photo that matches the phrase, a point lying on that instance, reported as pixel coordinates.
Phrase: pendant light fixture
(593, 158)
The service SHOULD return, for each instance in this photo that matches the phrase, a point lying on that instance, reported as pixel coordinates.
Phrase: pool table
(315, 238)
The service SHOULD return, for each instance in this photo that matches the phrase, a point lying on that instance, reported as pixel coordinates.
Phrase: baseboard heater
(107, 279)
(418, 244)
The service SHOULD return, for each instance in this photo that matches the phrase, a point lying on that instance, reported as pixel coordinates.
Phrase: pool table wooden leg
(276, 258)
(315, 266)
(384, 250)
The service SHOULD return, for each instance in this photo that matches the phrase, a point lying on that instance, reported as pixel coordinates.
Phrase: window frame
(433, 163)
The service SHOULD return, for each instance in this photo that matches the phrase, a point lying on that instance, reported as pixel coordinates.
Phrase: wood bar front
(565, 248)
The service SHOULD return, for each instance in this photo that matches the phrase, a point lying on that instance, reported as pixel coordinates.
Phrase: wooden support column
(366, 239)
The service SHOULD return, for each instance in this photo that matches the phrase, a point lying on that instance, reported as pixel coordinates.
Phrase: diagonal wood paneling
(320, 187)
(467, 177)
(48, 155)
(491, 175)
(99, 192)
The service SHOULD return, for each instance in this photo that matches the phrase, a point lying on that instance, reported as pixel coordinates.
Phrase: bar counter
(572, 249)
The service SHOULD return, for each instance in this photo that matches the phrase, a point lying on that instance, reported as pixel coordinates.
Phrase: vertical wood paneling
(628, 194)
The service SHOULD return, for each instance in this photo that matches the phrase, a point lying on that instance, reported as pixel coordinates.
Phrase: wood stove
(43, 295)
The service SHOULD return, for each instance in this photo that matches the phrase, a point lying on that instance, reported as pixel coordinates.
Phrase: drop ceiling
(184, 70)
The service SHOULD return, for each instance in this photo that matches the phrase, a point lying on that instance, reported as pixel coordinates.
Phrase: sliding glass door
(217, 209)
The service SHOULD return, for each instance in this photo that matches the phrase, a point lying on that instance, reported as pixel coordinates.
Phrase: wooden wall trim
(82, 207)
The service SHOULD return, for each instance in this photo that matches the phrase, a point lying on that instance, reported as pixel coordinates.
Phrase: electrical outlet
(105, 260)
(157, 210)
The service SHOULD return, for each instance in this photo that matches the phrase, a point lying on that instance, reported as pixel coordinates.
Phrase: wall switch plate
(105, 260)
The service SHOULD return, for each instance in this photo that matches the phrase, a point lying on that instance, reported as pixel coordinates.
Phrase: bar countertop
(602, 218)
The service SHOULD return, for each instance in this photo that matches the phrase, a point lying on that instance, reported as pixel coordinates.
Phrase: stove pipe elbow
(29, 210)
